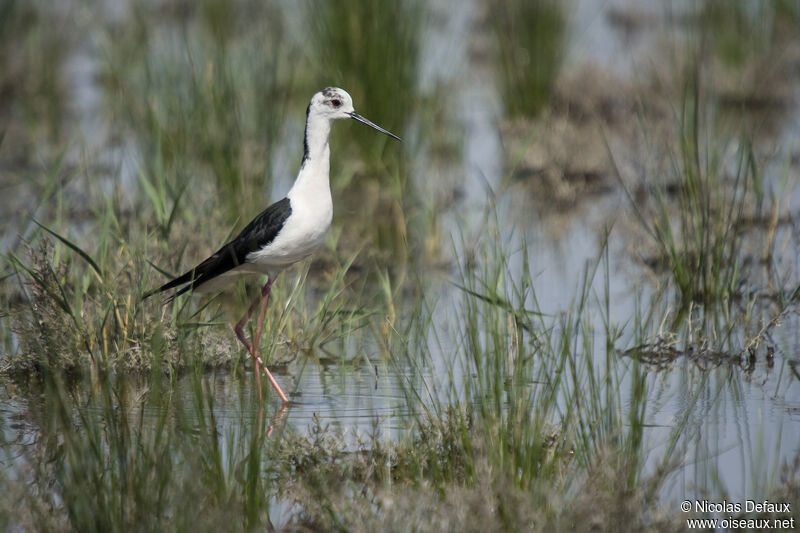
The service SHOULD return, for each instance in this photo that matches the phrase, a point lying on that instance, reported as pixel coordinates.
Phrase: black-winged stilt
(285, 232)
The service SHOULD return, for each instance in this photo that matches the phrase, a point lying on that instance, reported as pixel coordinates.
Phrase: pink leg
(240, 333)
(253, 348)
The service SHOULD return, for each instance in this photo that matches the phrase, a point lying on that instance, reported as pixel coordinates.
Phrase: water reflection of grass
(118, 454)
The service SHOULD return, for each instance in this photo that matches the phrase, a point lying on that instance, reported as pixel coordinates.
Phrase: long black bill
(362, 120)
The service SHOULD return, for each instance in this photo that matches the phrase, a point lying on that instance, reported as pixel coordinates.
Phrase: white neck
(315, 169)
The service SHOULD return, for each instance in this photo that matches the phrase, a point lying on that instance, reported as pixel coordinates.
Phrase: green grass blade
(74, 247)
(166, 273)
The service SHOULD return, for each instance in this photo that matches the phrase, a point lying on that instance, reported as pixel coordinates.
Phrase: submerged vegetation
(441, 380)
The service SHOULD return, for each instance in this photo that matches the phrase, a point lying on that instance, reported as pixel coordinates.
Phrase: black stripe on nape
(305, 137)
(259, 233)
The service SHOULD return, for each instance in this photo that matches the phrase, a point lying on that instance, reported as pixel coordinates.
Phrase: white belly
(303, 232)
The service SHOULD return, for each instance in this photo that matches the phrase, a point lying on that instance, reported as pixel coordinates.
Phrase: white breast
(311, 203)
(302, 233)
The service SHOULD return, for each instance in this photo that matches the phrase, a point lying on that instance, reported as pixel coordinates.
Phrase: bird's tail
(188, 278)
(167, 299)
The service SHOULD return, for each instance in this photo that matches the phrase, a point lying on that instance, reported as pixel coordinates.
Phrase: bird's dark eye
(336, 103)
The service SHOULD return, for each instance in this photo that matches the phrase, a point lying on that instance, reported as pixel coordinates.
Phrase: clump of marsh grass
(738, 30)
(33, 52)
(700, 230)
(371, 50)
(530, 38)
(72, 320)
(546, 390)
(50, 335)
(79, 309)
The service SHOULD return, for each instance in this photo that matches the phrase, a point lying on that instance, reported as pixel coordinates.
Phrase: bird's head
(334, 103)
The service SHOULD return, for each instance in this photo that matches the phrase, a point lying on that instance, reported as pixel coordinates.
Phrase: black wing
(261, 231)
